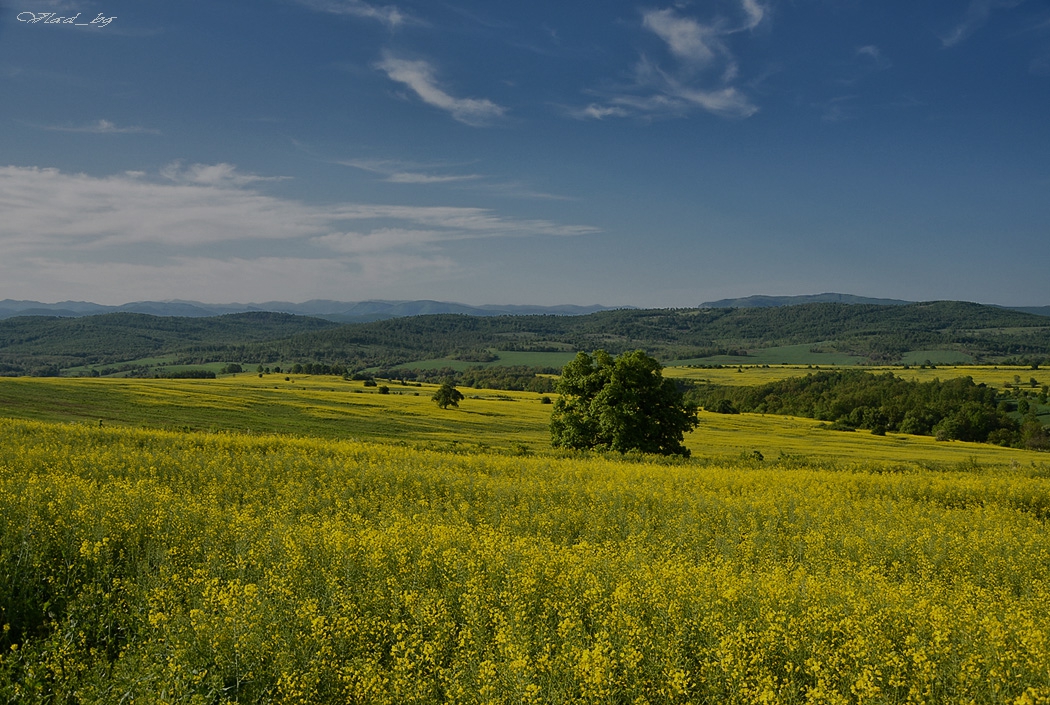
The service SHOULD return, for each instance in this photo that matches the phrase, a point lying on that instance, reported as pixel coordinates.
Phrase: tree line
(954, 409)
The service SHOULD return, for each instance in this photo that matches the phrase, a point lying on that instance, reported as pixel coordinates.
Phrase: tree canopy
(620, 404)
(447, 395)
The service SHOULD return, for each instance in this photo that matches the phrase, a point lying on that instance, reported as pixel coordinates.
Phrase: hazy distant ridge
(378, 310)
(772, 301)
(340, 311)
(832, 298)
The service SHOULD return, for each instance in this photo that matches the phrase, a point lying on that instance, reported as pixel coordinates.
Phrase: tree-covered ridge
(955, 409)
(31, 342)
(878, 333)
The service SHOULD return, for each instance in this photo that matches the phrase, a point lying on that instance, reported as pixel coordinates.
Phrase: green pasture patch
(82, 370)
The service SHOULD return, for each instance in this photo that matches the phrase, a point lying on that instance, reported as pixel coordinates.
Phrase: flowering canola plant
(158, 567)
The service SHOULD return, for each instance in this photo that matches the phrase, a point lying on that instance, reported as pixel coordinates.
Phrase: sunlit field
(379, 549)
(330, 407)
(298, 404)
(747, 375)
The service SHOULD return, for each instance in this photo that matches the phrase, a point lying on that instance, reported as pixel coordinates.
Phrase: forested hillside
(878, 333)
(43, 345)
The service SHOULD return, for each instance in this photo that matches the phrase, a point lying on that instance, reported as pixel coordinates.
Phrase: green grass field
(748, 375)
(330, 407)
(322, 406)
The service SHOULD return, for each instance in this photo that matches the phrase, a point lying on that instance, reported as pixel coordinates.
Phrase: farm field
(748, 375)
(155, 566)
(297, 538)
(330, 407)
(305, 405)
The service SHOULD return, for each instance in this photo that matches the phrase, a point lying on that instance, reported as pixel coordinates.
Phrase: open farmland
(330, 407)
(752, 375)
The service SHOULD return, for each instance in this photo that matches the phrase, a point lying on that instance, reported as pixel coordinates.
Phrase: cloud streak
(397, 173)
(419, 77)
(702, 76)
(63, 228)
(102, 127)
(976, 16)
(389, 15)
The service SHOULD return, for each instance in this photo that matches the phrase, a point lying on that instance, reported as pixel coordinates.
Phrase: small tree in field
(447, 395)
(621, 405)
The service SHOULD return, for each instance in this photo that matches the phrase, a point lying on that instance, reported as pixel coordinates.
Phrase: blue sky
(624, 153)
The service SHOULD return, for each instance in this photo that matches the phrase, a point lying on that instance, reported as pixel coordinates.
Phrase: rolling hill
(876, 333)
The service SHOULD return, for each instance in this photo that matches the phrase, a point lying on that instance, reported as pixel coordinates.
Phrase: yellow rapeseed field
(162, 567)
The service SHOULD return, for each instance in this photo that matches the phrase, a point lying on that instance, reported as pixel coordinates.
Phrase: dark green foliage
(621, 404)
(724, 406)
(956, 409)
(28, 341)
(880, 333)
(191, 374)
(447, 395)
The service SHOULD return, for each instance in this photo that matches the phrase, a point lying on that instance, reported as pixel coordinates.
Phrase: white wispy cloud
(419, 77)
(221, 174)
(873, 58)
(387, 14)
(173, 233)
(838, 109)
(399, 173)
(755, 13)
(687, 39)
(702, 76)
(101, 127)
(975, 17)
(598, 112)
(380, 240)
(871, 51)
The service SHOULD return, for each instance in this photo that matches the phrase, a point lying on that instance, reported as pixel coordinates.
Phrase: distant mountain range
(379, 310)
(338, 311)
(774, 301)
(831, 298)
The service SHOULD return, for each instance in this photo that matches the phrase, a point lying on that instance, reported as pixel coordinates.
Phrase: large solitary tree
(620, 404)
(447, 395)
